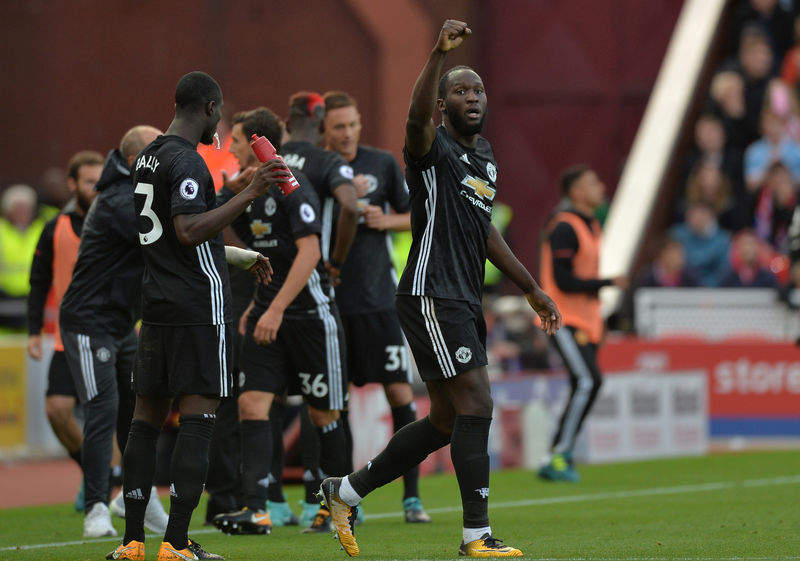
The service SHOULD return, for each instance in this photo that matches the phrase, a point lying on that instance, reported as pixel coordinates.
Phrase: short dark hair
(337, 100)
(260, 121)
(83, 158)
(571, 175)
(306, 105)
(195, 90)
(446, 77)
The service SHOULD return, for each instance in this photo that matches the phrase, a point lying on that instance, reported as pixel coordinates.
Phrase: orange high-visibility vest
(65, 254)
(578, 309)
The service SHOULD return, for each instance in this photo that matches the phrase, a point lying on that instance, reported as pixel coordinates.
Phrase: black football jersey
(325, 170)
(452, 189)
(270, 226)
(368, 277)
(181, 285)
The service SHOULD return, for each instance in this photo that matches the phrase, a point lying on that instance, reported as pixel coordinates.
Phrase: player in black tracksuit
(451, 174)
(98, 313)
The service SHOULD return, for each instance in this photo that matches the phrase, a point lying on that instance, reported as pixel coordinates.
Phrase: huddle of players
(292, 332)
(294, 337)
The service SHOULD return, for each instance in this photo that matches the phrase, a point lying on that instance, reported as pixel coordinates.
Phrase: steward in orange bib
(570, 261)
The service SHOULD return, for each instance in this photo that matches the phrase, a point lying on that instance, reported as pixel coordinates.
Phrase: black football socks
(188, 474)
(402, 416)
(406, 449)
(470, 454)
(256, 456)
(138, 469)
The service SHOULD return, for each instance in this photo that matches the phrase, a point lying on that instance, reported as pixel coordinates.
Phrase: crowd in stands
(739, 184)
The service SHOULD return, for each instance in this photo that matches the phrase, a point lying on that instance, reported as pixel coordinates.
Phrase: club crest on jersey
(463, 355)
(491, 171)
(242, 379)
(189, 189)
(372, 182)
(270, 206)
(480, 187)
(307, 213)
(260, 229)
(346, 171)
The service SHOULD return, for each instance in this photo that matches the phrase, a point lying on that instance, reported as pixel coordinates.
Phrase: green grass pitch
(732, 507)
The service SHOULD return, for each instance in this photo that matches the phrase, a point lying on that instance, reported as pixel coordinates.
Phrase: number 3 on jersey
(155, 232)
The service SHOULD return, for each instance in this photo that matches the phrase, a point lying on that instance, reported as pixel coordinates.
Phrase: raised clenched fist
(452, 35)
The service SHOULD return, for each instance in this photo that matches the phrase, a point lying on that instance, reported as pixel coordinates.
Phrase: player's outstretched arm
(420, 131)
(193, 229)
(503, 258)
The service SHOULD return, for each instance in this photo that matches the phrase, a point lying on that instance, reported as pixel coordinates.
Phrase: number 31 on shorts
(396, 358)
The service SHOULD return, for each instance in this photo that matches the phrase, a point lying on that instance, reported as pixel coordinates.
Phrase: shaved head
(136, 139)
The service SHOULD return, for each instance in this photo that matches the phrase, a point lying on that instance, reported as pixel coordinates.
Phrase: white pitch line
(654, 491)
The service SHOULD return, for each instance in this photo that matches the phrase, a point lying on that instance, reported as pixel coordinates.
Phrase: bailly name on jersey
(148, 162)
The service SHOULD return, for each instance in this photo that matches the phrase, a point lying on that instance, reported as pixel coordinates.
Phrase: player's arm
(41, 279)
(375, 218)
(308, 255)
(500, 255)
(564, 245)
(420, 131)
(249, 260)
(345, 195)
(194, 229)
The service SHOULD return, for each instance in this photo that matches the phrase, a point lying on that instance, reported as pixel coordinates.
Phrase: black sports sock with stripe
(256, 456)
(332, 449)
(402, 416)
(406, 449)
(275, 491)
(470, 453)
(138, 469)
(188, 474)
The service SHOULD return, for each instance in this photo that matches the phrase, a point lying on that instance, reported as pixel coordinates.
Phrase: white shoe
(155, 517)
(117, 505)
(98, 522)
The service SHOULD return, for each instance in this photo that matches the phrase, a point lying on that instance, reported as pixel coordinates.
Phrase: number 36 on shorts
(316, 387)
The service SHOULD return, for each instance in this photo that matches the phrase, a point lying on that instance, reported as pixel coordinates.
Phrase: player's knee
(254, 406)
(59, 411)
(478, 405)
(399, 394)
(322, 417)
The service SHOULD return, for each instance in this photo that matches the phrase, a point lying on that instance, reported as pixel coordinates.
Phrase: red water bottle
(265, 151)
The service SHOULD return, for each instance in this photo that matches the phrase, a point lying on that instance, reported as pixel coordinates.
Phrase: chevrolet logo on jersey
(480, 187)
(259, 228)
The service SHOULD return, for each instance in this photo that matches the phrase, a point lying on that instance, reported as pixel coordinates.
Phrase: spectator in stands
(20, 229)
(774, 207)
(705, 243)
(754, 64)
(783, 101)
(773, 17)
(708, 183)
(711, 145)
(669, 268)
(772, 147)
(727, 101)
(748, 260)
